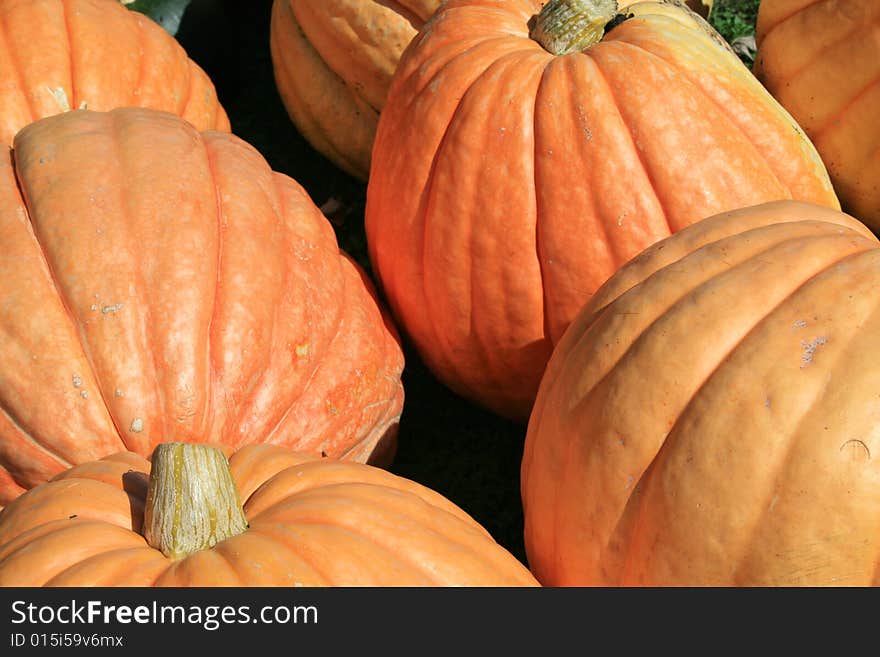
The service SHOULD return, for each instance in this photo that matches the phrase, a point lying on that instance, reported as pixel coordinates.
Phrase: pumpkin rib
(687, 293)
(65, 19)
(427, 193)
(80, 539)
(218, 551)
(497, 79)
(536, 185)
(316, 366)
(188, 86)
(140, 284)
(666, 445)
(817, 54)
(35, 442)
(280, 548)
(19, 75)
(317, 473)
(354, 531)
(441, 72)
(561, 63)
(278, 532)
(215, 306)
(724, 111)
(816, 133)
(43, 254)
(142, 63)
(401, 8)
(228, 418)
(780, 20)
(639, 155)
(324, 38)
(380, 499)
(280, 210)
(122, 562)
(306, 113)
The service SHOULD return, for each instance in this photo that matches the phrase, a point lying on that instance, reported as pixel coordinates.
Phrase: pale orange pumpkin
(57, 55)
(821, 60)
(510, 179)
(333, 61)
(306, 521)
(710, 417)
(157, 282)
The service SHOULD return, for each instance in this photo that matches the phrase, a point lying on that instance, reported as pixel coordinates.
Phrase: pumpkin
(57, 55)
(821, 60)
(509, 182)
(709, 417)
(280, 518)
(333, 61)
(157, 281)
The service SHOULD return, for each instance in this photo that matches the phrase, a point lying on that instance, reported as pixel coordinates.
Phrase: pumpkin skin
(821, 60)
(333, 61)
(710, 415)
(157, 283)
(57, 55)
(507, 183)
(312, 522)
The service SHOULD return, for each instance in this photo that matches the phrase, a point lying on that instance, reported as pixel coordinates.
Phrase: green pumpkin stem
(192, 502)
(567, 26)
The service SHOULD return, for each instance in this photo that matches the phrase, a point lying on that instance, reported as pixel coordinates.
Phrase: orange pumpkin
(821, 60)
(57, 55)
(159, 282)
(509, 182)
(333, 61)
(306, 522)
(710, 416)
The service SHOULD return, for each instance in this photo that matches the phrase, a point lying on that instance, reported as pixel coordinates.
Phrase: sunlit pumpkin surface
(157, 283)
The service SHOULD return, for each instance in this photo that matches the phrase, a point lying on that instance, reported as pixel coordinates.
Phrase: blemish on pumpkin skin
(810, 349)
(77, 381)
(137, 425)
(857, 450)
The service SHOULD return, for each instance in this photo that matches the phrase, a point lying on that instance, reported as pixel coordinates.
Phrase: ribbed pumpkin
(333, 62)
(310, 522)
(710, 417)
(821, 60)
(159, 282)
(509, 182)
(57, 55)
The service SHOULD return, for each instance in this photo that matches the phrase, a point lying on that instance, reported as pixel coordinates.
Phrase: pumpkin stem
(567, 26)
(192, 502)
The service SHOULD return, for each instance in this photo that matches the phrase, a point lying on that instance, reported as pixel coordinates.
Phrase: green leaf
(735, 21)
(168, 13)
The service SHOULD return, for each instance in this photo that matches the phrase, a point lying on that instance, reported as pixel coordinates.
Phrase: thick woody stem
(567, 26)
(192, 502)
